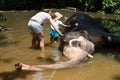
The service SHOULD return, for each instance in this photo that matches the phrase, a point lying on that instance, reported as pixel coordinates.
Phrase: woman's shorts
(35, 27)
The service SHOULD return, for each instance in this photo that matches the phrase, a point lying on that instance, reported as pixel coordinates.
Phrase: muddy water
(15, 47)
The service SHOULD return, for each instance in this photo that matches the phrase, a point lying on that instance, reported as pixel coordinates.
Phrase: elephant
(98, 34)
(75, 54)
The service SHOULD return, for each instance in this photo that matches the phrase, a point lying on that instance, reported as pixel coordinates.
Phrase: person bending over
(35, 26)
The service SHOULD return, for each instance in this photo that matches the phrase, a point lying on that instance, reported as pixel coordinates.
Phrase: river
(15, 47)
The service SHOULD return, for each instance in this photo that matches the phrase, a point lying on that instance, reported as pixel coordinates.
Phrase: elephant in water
(75, 54)
(98, 34)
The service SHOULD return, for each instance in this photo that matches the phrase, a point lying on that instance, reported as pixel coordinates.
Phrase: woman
(35, 26)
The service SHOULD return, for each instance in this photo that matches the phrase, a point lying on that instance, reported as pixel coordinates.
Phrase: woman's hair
(51, 12)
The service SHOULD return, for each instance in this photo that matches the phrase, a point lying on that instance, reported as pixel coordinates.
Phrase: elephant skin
(97, 33)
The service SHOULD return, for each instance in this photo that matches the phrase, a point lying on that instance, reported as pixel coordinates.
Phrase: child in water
(53, 33)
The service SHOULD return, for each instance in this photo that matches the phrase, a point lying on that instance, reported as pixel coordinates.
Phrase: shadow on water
(14, 74)
(110, 51)
(6, 60)
(8, 43)
(116, 77)
(2, 37)
(7, 39)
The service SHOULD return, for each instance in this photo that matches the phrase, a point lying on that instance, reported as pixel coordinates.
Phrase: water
(15, 47)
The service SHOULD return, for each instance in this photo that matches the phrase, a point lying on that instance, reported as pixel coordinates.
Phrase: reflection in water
(13, 75)
(15, 47)
(44, 75)
(10, 39)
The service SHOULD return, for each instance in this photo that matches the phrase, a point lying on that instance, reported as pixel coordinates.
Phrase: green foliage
(104, 6)
(87, 4)
(111, 6)
(113, 23)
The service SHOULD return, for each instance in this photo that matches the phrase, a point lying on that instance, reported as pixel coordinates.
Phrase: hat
(58, 15)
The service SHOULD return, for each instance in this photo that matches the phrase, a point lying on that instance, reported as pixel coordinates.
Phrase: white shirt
(57, 24)
(41, 17)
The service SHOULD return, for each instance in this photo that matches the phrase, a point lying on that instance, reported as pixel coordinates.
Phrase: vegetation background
(105, 6)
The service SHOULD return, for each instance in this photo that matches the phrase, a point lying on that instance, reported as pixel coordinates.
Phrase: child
(53, 33)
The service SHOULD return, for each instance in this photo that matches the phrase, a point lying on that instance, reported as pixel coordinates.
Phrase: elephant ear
(84, 33)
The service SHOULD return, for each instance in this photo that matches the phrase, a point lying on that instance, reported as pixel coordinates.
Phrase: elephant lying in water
(75, 54)
(98, 34)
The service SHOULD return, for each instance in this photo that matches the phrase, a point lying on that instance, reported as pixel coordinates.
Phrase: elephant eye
(75, 43)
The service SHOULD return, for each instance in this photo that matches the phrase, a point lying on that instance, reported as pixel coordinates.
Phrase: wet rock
(3, 28)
